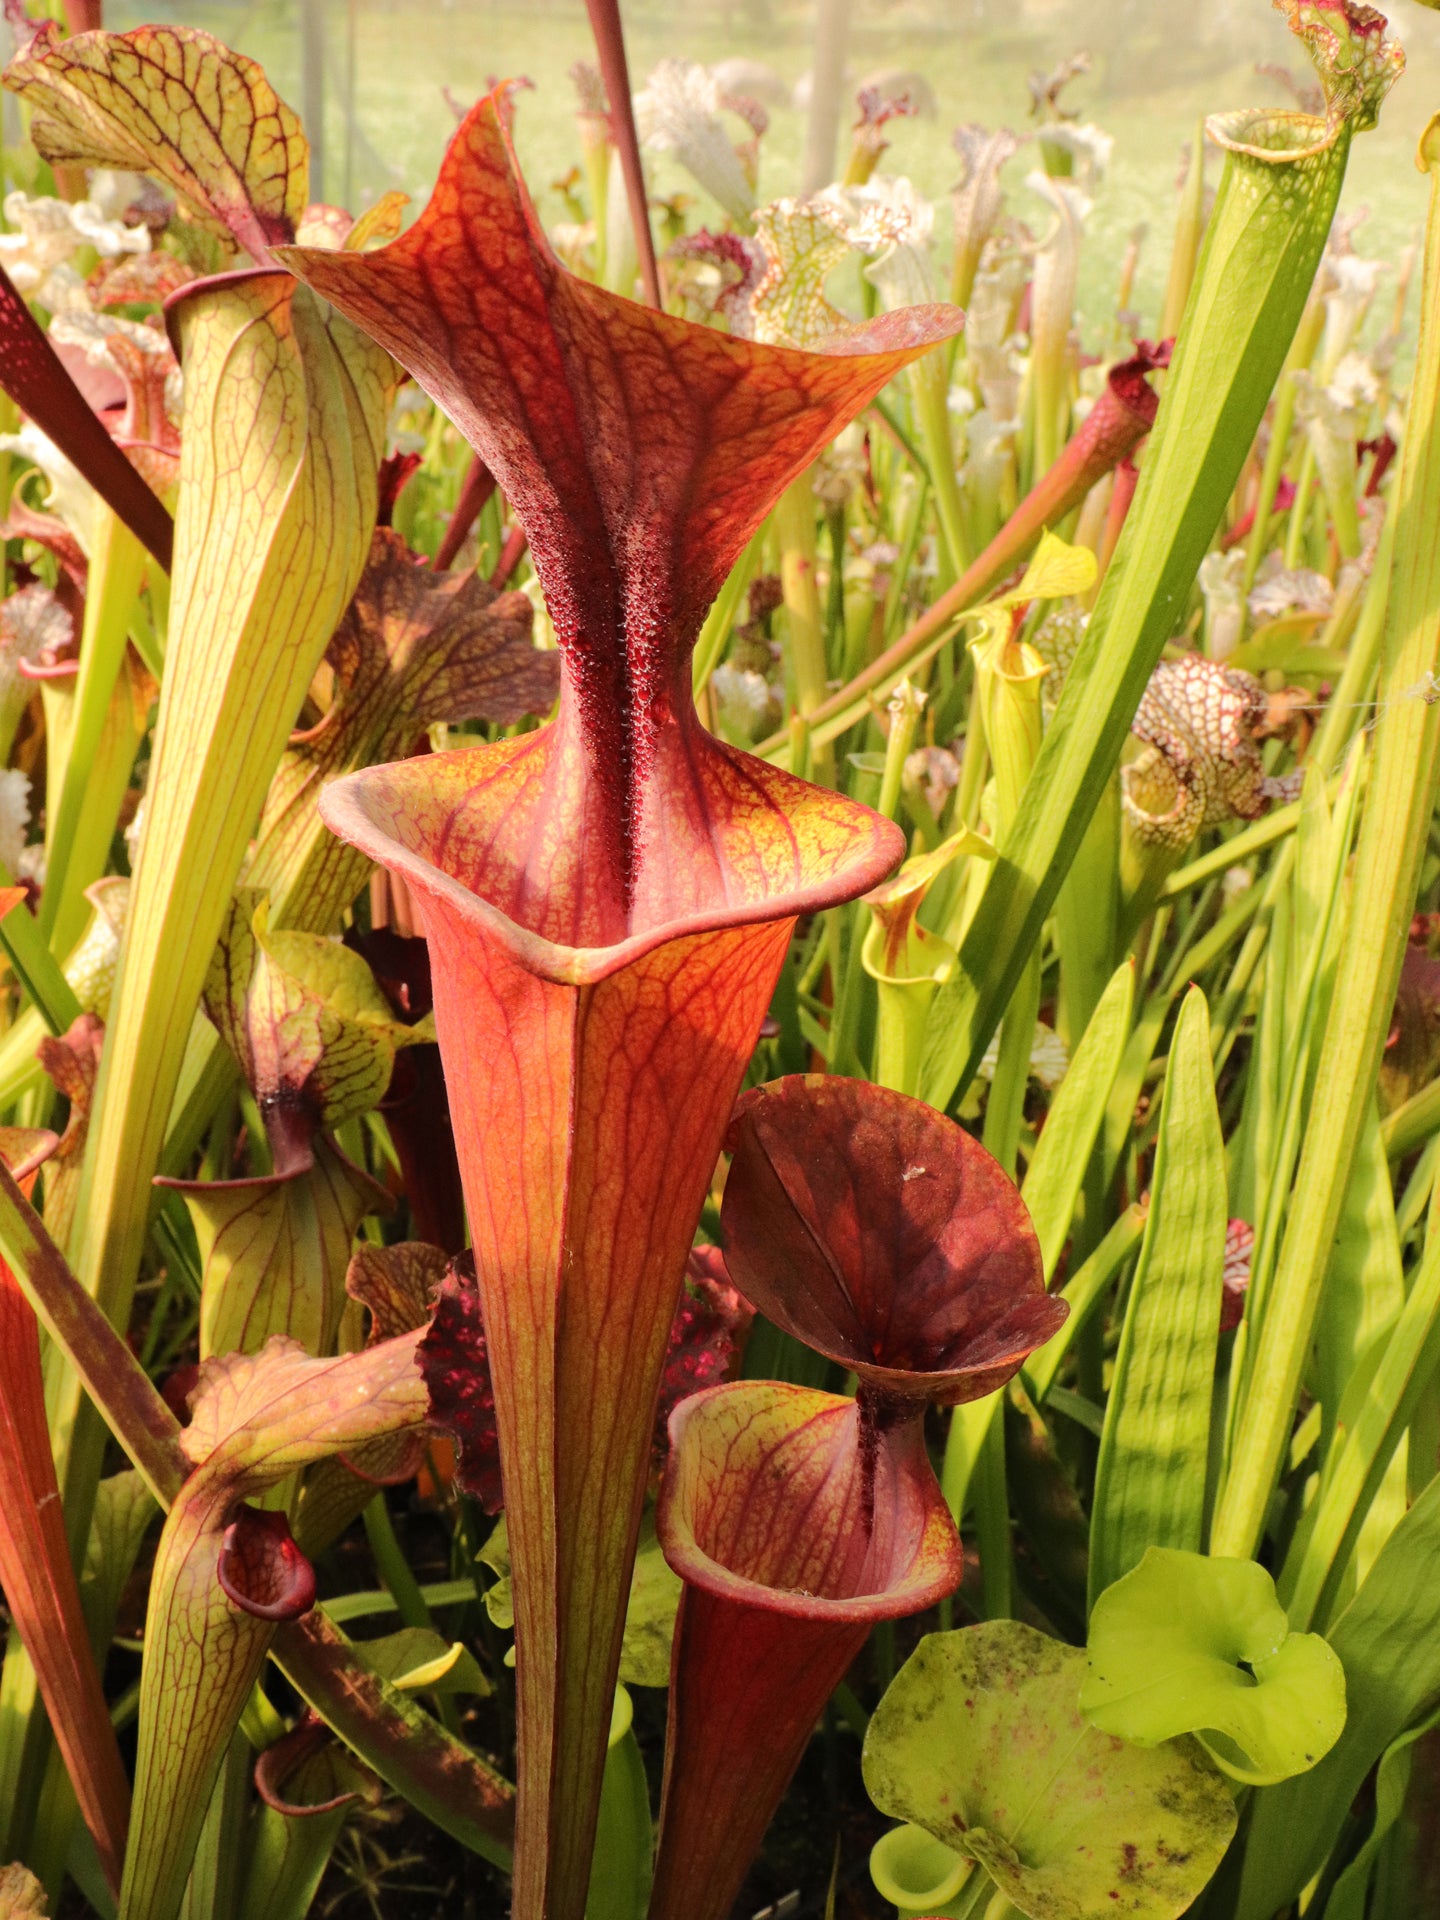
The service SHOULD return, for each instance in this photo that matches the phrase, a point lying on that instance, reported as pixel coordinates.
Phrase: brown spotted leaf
(174, 103)
(980, 1740)
(397, 1285)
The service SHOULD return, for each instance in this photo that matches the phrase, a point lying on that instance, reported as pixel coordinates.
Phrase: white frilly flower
(892, 222)
(110, 238)
(1280, 590)
(48, 233)
(1340, 405)
(43, 238)
(69, 494)
(1049, 1058)
(14, 817)
(678, 111)
(92, 333)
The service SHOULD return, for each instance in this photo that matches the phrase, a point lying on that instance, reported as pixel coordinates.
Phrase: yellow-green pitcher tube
(281, 441)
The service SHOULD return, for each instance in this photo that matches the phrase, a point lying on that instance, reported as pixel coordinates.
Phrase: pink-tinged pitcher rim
(911, 1594)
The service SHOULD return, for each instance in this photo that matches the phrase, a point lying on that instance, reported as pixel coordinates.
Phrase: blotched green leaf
(980, 1740)
(1388, 1641)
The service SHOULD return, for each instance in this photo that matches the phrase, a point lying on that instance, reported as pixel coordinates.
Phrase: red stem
(36, 379)
(475, 490)
(1127, 478)
(615, 71)
(510, 555)
(40, 1589)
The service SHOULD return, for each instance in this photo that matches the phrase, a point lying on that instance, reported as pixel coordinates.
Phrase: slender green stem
(117, 568)
(1282, 420)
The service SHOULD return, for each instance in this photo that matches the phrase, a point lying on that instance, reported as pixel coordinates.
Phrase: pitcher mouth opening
(459, 827)
(1270, 133)
(916, 1572)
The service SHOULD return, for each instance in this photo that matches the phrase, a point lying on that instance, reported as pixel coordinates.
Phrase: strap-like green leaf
(1272, 213)
(1393, 838)
(1397, 1377)
(1150, 1482)
(1388, 1640)
(1057, 1169)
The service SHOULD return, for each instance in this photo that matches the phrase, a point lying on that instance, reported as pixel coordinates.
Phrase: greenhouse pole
(312, 88)
(827, 78)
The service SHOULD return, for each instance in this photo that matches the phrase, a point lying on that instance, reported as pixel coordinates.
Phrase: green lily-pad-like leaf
(1187, 1644)
(980, 1740)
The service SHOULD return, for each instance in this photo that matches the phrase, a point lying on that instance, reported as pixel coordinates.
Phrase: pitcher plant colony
(720, 1058)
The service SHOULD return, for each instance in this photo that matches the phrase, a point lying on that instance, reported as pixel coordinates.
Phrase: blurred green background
(384, 69)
